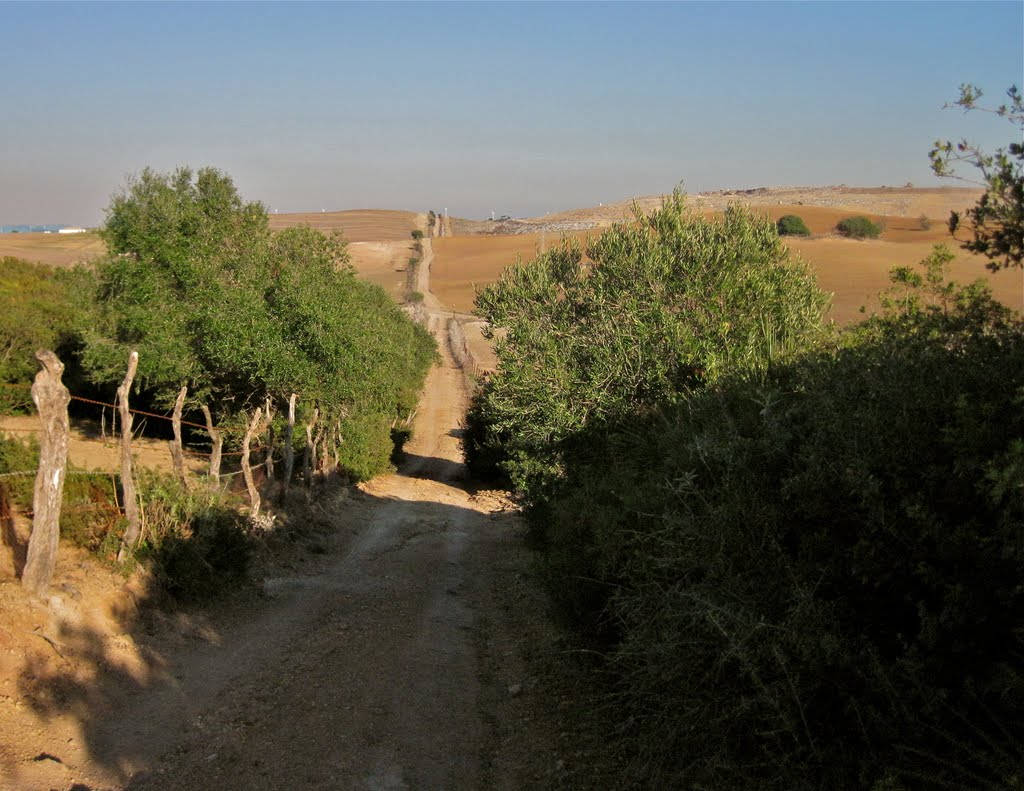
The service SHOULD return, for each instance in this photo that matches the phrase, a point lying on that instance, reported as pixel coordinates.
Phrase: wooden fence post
(309, 457)
(289, 452)
(254, 495)
(51, 398)
(177, 457)
(131, 500)
(270, 444)
(217, 440)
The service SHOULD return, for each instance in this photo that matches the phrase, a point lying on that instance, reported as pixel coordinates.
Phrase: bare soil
(853, 271)
(55, 249)
(358, 225)
(397, 640)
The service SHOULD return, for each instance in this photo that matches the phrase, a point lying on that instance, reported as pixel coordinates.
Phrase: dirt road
(392, 658)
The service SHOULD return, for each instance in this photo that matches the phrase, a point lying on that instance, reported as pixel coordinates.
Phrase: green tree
(997, 220)
(197, 283)
(858, 227)
(664, 304)
(792, 225)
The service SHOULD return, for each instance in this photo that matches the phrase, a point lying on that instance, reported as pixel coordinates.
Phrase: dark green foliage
(417, 234)
(37, 311)
(196, 545)
(858, 227)
(198, 284)
(89, 515)
(671, 301)
(483, 449)
(810, 577)
(792, 225)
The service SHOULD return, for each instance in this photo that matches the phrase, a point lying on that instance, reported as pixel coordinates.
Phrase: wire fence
(168, 418)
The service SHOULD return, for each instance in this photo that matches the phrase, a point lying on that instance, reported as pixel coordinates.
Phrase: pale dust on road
(395, 659)
(376, 685)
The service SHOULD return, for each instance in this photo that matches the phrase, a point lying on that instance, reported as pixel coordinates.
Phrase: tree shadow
(434, 468)
(133, 707)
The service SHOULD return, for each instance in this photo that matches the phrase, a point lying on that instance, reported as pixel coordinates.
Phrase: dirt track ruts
(387, 666)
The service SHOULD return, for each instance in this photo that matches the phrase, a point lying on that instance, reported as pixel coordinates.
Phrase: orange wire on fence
(24, 385)
(147, 414)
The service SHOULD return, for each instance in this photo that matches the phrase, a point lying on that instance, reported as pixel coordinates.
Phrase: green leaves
(662, 305)
(210, 298)
(997, 220)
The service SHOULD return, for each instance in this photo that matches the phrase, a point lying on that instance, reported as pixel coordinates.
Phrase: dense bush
(859, 227)
(668, 302)
(196, 545)
(810, 577)
(792, 225)
(89, 516)
(212, 299)
(37, 311)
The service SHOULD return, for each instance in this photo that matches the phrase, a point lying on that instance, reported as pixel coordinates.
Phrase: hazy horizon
(520, 109)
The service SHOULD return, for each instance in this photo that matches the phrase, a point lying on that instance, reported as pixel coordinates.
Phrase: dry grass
(359, 225)
(463, 262)
(384, 264)
(55, 249)
(854, 271)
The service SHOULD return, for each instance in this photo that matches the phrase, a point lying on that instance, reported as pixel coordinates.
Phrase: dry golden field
(380, 243)
(854, 271)
(55, 249)
(462, 263)
(358, 225)
(384, 264)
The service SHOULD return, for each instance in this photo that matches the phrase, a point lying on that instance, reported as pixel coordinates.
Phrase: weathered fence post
(270, 444)
(217, 440)
(51, 398)
(309, 457)
(177, 457)
(289, 452)
(131, 500)
(254, 495)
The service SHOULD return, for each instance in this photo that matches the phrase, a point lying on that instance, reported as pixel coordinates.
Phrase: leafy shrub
(417, 234)
(366, 446)
(89, 515)
(810, 577)
(37, 310)
(792, 225)
(670, 302)
(483, 449)
(859, 227)
(196, 545)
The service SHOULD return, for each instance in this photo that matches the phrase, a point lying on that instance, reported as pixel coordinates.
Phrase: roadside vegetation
(243, 317)
(797, 551)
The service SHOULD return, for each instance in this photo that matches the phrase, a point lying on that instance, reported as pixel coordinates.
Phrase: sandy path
(384, 663)
(367, 677)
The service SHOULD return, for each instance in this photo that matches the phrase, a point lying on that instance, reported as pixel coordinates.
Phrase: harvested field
(358, 225)
(463, 262)
(854, 271)
(55, 249)
(87, 450)
(385, 264)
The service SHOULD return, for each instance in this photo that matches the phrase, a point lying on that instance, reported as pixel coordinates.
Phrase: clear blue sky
(522, 108)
